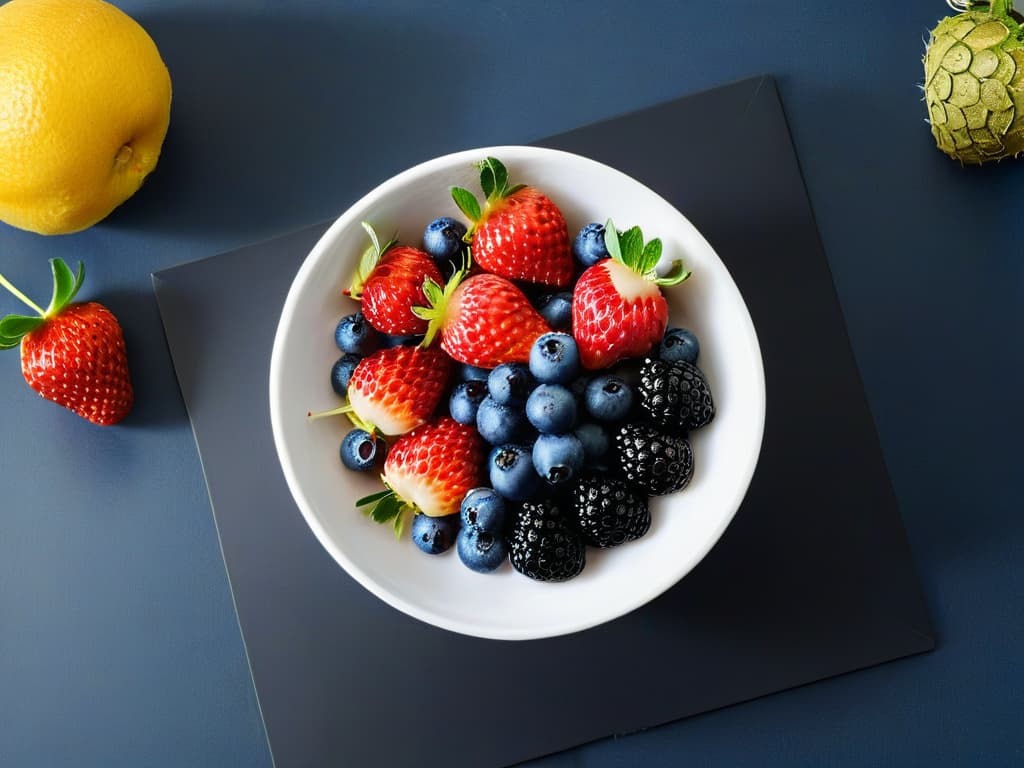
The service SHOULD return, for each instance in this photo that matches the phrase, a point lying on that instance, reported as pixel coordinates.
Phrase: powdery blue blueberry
(483, 508)
(356, 336)
(465, 400)
(361, 451)
(554, 358)
(595, 441)
(499, 423)
(511, 383)
(472, 373)
(479, 550)
(551, 409)
(511, 472)
(341, 373)
(589, 247)
(608, 398)
(434, 535)
(556, 309)
(679, 344)
(558, 458)
(442, 239)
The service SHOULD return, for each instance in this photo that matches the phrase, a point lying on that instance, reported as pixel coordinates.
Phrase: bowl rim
(352, 215)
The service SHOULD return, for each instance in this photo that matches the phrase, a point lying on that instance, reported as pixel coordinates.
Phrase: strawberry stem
(355, 418)
(21, 296)
(437, 300)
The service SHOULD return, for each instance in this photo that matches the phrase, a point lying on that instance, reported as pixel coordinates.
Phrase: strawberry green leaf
(611, 241)
(13, 327)
(369, 260)
(487, 181)
(65, 285)
(675, 275)
(467, 203)
(373, 497)
(651, 256)
(631, 243)
(399, 523)
(6, 343)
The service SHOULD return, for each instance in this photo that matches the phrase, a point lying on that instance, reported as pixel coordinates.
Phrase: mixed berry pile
(519, 391)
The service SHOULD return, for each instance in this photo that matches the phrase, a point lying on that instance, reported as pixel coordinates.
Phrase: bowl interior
(439, 589)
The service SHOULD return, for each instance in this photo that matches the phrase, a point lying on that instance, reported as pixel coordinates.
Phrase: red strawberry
(389, 282)
(431, 469)
(617, 307)
(398, 389)
(520, 233)
(72, 354)
(484, 320)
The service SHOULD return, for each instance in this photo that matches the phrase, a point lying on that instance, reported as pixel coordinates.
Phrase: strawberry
(484, 320)
(430, 470)
(72, 354)
(396, 389)
(520, 233)
(389, 282)
(617, 307)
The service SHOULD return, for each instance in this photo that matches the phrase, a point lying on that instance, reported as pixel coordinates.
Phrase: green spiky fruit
(974, 83)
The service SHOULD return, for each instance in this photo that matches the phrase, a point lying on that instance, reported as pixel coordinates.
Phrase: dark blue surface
(118, 639)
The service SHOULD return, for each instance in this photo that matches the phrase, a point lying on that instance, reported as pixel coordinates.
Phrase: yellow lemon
(85, 100)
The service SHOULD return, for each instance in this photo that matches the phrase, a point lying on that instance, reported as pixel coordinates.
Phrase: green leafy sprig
(628, 248)
(66, 284)
(385, 506)
(494, 183)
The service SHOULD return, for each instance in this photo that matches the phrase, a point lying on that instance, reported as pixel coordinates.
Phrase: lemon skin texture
(85, 103)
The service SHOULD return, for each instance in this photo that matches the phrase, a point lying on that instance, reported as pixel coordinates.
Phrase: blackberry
(543, 544)
(675, 395)
(652, 462)
(608, 511)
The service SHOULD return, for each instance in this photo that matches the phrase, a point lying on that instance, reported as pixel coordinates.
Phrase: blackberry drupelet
(652, 462)
(675, 395)
(543, 544)
(609, 512)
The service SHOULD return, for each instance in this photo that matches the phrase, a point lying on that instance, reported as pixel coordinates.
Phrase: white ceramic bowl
(439, 589)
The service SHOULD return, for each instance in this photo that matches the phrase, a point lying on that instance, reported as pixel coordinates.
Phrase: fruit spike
(520, 233)
(71, 354)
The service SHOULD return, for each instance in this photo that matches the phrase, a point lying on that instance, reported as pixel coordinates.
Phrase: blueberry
(551, 408)
(472, 373)
(442, 239)
(356, 336)
(595, 441)
(434, 535)
(558, 458)
(361, 451)
(341, 372)
(554, 358)
(679, 344)
(499, 423)
(511, 472)
(465, 401)
(479, 550)
(608, 398)
(510, 383)
(556, 309)
(483, 508)
(399, 341)
(589, 247)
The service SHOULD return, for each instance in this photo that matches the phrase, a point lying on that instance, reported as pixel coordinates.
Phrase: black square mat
(813, 578)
